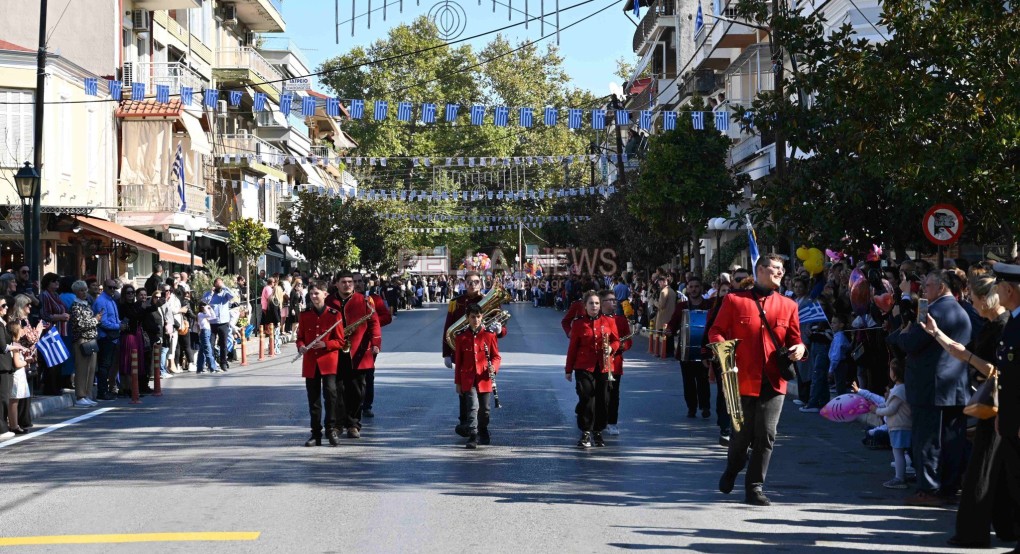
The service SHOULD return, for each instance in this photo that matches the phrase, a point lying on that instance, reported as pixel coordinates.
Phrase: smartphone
(922, 311)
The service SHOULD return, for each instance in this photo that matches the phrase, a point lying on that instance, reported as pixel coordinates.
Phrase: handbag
(89, 347)
(183, 329)
(984, 404)
(858, 352)
(782, 353)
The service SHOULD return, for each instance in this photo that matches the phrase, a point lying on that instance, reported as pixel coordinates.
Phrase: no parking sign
(943, 224)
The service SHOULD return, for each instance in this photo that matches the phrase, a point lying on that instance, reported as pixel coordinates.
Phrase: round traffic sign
(943, 224)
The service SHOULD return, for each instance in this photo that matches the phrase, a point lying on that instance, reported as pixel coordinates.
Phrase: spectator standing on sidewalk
(84, 349)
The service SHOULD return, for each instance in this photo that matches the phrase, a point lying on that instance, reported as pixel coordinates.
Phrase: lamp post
(284, 240)
(27, 181)
(191, 225)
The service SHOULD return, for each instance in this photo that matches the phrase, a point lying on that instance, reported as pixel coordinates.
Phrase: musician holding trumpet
(363, 340)
(593, 340)
(753, 317)
(319, 340)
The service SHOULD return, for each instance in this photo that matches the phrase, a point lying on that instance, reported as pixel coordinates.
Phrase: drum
(692, 332)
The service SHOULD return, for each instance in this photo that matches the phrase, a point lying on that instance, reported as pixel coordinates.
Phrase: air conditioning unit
(128, 73)
(140, 20)
(222, 106)
(230, 14)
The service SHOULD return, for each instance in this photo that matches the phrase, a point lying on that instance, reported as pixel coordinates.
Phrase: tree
(249, 239)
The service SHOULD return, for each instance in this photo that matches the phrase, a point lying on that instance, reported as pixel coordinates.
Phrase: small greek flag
(645, 119)
(550, 116)
(698, 119)
(163, 94)
(137, 91)
(404, 111)
(116, 89)
(357, 109)
(187, 95)
(211, 96)
(260, 101)
(382, 109)
(92, 86)
(574, 118)
(501, 116)
(332, 107)
(722, 120)
(598, 119)
(526, 118)
(286, 102)
(451, 111)
(428, 113)
(235, 98)
(52, 347)
(308, 106)
(177, 170)
(811, 312)
(669, 121)
(622, 117)
(477, 114)
(699, 20)
(752, 243)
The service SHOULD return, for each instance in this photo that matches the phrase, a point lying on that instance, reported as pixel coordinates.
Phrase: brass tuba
(726, 354)
(492, 311)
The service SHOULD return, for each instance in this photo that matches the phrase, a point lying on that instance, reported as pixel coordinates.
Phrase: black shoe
(724, 440)
(314, 440)
(599, 441)
(462, 430)
(959, 543)
(705, 414)
(472, 442)
(691, 413)
(334, 437)
(484, 438)
(585, 441)
(726, 482)
(756, 497)
(225, 366)
(367, 412)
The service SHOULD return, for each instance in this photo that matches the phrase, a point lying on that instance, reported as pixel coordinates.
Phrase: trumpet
(607, 358)
(350, 329)
(726, 353)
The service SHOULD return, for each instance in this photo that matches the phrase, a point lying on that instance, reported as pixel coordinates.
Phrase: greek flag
(137, 91)
(598, 119)
(285, 103)
(308, 106)
(811, 312)
(116, 89)
(698, 118)
(404, 111)
(187, 95)
(332, 107)
(52, 347)
(752, 243)
(428, 113)
(699, 20)
(622, 117)
(550, 116)
(235, 98)
(260, 101)
(92, 86)
(722, 120)
(501, 116)
(163, 94)
(477, 114)
(526, 118)
(382, 108)
(637, 8)
(357, 109)
(645, 119)
(177, 171)
(211, 96)
(574, 118)
(451, 111)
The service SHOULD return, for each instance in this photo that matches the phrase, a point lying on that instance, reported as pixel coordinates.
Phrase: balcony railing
(324, 152)
(249, 58)
(173, 74)
(249, 145)
(162, 199)
(658, 14)
(283, 44)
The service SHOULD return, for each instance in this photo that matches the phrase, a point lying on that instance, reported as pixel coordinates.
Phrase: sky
(589, 48)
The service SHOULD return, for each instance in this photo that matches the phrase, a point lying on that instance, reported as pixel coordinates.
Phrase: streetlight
(720, 224)
(191, 225)
(284, 240)
(27, 181)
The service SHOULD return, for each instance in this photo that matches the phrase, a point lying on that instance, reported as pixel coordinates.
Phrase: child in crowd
(839, 351)
(19, 390)
(205, 356)
(896, 411)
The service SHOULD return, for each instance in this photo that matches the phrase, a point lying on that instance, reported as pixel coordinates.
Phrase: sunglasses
(3, 306)
(474, 282)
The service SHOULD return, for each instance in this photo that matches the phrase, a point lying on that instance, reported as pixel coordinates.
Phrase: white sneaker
(91, 402)
(798, 402)
(82, 403)
(612, 430)
(7, 435)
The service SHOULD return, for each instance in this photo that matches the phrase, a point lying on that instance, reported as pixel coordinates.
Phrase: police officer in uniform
(1007, 362)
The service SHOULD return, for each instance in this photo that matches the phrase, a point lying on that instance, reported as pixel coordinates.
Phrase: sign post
(942, 225)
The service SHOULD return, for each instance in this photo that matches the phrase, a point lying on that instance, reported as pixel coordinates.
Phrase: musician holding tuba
(747, 316)
(589, 336)
(458, 308)
(363, 342)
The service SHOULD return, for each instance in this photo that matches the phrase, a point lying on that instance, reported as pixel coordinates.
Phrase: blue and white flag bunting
(645, 119)
(235, 98)
(116, 89)
(698, 120)
(501, 116)
(550, 116)
(211, 97)
(332, 107)
(451, 112)
(526, 118)
(669, 121)
(137, 91)
(92, 86)
(722, 120)
(404, 111)
(163, 94)
(622, 117)
(260, 101)
(574, 118)
(308, 106)
(286, 101)
(428, 113)
(382, 108)
(598, 119)
(477, 114)
(357, 109)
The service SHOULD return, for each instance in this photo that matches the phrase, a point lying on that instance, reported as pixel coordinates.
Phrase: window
(16, 123)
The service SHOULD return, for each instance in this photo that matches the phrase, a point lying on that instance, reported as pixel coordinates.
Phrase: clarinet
(492, 376)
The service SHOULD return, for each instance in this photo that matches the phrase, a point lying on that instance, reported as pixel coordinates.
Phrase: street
(223, 454)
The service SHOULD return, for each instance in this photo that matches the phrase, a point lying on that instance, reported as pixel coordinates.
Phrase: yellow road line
(136, 537)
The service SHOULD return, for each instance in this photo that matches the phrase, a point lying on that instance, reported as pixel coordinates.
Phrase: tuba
(726, 354)
(492, 311)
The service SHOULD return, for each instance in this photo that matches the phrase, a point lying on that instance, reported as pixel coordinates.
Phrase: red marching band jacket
(457, 308)
(575, 311)
(385, 317)
(470, 363)
(739, 318)
(622, 330)
(310, 326)
(585, 351)
(366, 336)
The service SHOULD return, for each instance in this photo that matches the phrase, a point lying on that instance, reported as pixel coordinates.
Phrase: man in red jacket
(385, 318)
(608, 298)
(761, 387)
(476, 348)
(320, 361)
(365, 342)
(575, 311)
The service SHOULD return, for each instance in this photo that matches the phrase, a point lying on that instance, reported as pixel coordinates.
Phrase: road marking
(136, 537)
(54, 427)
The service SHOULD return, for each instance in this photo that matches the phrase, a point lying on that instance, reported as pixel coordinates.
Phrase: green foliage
(202, 281)
(248, 237)
(729, 254)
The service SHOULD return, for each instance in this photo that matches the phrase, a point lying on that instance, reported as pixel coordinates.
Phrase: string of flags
(476, 229)
(421, 161)
(427, 112)
(422, 195)
(487, 218)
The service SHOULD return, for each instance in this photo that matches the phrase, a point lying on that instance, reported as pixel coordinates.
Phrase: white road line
(55, 426)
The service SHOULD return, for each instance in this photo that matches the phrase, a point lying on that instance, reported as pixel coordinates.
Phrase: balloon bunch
(814, 260)
(533, 269)
(478, 262)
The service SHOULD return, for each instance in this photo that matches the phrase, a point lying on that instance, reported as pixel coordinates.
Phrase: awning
(199, 140)
(312, 175)
(115, 231)
(343, 140)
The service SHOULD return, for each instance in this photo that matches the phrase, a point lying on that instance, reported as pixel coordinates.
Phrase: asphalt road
(224, 454)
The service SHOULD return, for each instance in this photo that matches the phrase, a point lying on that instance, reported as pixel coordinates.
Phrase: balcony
(246, 65)
(707, 56)
(175, 75)
(664, 16)
(261, 16)
(283, 51)
(325, 153)
(186, 40)
(154, 5)
(727, 34)
(162, 199)
(233, 151)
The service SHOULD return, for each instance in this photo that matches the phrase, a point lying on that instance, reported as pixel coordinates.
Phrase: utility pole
(778, 66)
(34, 261)
(622, 177)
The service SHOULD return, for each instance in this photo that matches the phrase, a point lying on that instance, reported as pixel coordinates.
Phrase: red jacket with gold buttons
(622, 329)
(310, 326)
(470, 362)
(586, 338)
(367, 335)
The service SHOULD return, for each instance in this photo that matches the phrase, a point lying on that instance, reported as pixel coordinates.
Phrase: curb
(42, 405)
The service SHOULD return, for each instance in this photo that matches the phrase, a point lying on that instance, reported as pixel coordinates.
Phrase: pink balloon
(845, 407)
(860, 296)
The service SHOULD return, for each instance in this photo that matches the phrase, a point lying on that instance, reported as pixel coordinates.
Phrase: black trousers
(697, 394)
(350, 393)
(722, 414)
(222, 331)
(939, 441)
(592, 400)
(6, 382)
(474, 408)
(614, 400)
(985, 498)
(321, 389)
(366, 404)
(761, 417)
(670, 346)
(1011, 477)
